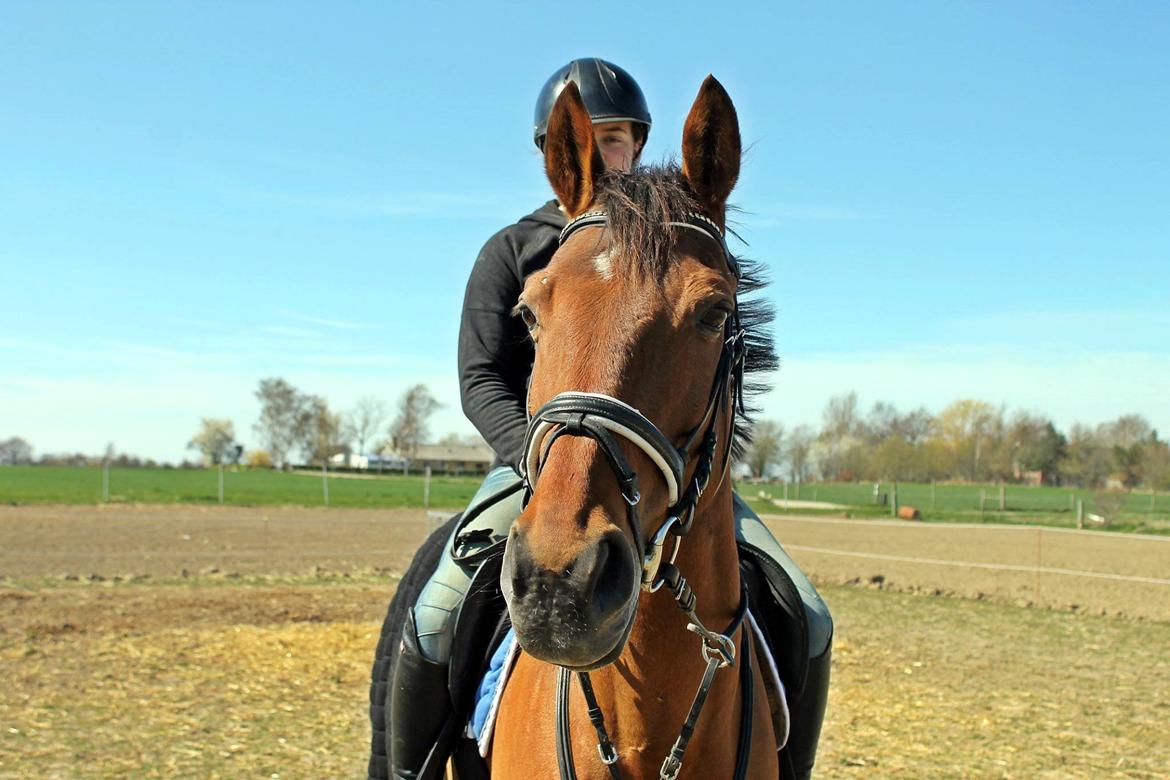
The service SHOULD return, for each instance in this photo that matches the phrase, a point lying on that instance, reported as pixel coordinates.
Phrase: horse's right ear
(711, 149)
(571, 157)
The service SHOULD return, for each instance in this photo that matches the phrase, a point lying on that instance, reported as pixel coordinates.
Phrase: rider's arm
(495, 354)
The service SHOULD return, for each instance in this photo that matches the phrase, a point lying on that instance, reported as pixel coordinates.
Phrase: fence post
(932, 494)
(427, 488)
(325, 479)
(221, 483)
(982, 503)
(1080, 513)
(1039, 564)
(1002, 496)
(106, 481)
(894, 500)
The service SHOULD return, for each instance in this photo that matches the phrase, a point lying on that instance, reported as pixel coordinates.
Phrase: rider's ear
(711, 148)
(571, 157)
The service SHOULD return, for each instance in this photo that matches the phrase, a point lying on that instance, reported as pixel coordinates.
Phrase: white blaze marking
(601, 263)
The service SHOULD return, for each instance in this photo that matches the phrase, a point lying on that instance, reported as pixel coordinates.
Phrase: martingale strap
(718, 652)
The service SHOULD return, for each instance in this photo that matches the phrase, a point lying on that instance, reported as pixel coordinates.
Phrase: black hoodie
(495, 353)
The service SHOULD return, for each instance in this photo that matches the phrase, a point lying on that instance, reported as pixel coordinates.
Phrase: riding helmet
(610, 94)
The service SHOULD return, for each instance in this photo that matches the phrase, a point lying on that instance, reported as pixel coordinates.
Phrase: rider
(495, 360)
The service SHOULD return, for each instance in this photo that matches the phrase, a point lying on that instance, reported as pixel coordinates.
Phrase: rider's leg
(420, 703)
(808, 711)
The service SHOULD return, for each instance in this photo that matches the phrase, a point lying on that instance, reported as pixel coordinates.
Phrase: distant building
(356, 462)
(453, 458)
(441, 458)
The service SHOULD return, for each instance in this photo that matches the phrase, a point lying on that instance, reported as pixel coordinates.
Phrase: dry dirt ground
(261, 670)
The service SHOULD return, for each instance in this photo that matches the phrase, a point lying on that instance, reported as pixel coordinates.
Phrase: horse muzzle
(579, 613)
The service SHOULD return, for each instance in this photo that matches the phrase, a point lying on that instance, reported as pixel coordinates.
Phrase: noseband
(605, 419)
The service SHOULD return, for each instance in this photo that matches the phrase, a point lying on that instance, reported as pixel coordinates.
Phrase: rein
(605, 418)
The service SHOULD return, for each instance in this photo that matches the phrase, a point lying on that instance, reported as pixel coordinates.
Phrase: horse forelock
(640, 204)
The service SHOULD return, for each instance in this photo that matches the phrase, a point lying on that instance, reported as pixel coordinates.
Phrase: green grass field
(976, 503)
(944, 503)
(63, 485)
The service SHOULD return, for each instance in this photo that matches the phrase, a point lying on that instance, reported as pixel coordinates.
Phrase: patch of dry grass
(228, 681)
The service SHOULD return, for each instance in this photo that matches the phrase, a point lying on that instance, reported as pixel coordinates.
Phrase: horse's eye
(527, 315)
(714, 320)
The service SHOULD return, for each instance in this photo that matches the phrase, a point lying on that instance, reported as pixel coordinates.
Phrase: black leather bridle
(605, 419)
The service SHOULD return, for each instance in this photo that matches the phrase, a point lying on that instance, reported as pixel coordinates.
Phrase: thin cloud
(786, 213)
(402, 204)
(323, 321)
(284, 330)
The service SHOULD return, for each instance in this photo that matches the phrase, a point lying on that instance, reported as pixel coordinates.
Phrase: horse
(637, 310)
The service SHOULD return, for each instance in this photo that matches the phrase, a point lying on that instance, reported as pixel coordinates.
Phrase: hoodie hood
(548, 214)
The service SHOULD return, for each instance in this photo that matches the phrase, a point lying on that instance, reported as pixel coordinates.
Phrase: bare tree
(409, 428)
(15, 451)
(364, 421)
(841, 452)
(797, 450)
(765, 449)
(282, 409)
(840, 417)
(216, 441)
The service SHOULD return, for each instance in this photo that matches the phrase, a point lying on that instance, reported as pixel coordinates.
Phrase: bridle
(604, 419)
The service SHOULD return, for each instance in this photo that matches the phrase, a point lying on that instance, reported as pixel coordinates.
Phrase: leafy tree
(1156, 463)
(968, 429)
(409, 428)
(216, 441)
(15, 451)
(1087, 460)
(765, 448)
(318, 430)
(258, 459)
(281, 423)
(1036, 445)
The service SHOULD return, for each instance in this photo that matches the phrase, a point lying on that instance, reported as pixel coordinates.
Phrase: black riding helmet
(610, 94)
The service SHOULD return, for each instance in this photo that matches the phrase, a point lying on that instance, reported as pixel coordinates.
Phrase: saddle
(483, 621)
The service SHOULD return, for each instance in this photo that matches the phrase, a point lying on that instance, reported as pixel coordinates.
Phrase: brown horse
(637, 310)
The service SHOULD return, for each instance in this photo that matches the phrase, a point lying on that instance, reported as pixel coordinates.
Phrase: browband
(693, 221)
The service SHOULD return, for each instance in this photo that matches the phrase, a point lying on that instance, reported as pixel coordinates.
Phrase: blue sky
(955, 199)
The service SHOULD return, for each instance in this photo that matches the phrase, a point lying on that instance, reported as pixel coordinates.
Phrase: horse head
(633, 319)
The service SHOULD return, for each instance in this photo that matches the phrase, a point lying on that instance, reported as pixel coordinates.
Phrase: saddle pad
(491, 690)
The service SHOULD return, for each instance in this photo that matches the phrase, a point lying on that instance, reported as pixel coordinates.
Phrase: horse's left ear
(711, 148)
(571, 157)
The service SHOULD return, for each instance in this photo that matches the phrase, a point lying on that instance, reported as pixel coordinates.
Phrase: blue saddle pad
(491, 688)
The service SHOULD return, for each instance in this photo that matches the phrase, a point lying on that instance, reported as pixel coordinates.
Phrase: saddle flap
(779, 611)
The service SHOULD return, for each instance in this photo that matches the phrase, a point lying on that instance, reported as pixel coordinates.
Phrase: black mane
(639, 204)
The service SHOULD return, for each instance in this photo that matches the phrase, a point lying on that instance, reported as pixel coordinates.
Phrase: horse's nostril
(613, 579)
